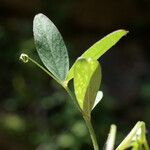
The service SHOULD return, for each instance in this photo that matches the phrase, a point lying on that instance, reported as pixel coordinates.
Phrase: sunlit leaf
(87, 78)
(50, 46)
(98, 98)
(136, 138)
(99, 48)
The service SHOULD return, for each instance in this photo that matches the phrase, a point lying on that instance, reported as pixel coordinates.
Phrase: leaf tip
(39, 15)
(124, 31)
(80, 58)
(127, 31)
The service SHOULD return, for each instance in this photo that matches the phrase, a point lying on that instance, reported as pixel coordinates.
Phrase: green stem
(72, 97)
(87, 120)
(46, 71)
(92, 133)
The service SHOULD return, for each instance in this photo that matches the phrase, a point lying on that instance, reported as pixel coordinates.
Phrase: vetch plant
(86, 75)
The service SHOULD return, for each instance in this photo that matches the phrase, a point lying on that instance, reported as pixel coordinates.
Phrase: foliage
(86, 74)
(50, 46)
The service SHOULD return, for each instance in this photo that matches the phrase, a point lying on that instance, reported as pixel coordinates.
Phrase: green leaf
(127, 141)
(87, 78)
(136, 138)
(99, 48)
(50, 46)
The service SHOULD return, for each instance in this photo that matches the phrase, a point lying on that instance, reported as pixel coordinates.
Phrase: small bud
(24, 58)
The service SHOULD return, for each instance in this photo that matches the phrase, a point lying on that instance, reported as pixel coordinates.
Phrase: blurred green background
(35, 113)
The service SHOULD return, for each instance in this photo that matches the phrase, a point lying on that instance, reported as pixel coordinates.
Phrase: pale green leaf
(134, 136)
(98, 98)
(87, 78)
(99, 48)
(50, 46)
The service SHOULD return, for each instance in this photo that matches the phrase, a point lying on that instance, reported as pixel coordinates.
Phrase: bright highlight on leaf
(99, 48)
(50, 46)
(98, 98)
(87, 78)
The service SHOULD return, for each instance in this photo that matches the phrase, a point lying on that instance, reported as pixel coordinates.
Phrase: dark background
(35, 113)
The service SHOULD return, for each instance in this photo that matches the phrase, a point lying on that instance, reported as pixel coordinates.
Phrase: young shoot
(86, 74)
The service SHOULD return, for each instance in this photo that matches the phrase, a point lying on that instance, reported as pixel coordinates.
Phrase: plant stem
(72, 97)
(86, 118)
(92, 133)
(45, 70)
